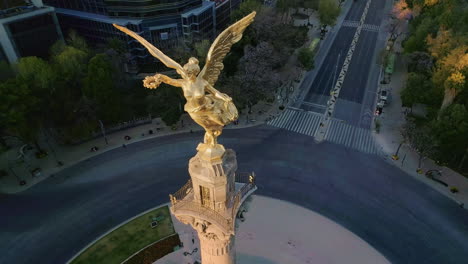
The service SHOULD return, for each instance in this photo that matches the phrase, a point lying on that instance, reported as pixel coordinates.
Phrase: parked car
(380, 103)
(36, 172)
(383, 95)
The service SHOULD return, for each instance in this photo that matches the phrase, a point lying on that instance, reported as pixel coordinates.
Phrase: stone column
(217, 251)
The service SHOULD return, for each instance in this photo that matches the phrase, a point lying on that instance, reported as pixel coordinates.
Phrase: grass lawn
(128, 239)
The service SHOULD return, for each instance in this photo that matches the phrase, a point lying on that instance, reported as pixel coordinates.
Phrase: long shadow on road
(402, 218)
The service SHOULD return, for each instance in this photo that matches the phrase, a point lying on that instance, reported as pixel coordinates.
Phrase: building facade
(224, 8)
(165, 23)
(27, 28)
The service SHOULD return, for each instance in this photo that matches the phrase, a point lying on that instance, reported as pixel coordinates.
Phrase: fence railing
(225, 218)
(192, 206)
(245, 177)
(182, 192)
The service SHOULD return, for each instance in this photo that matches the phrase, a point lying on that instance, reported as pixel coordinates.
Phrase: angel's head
(191, 68)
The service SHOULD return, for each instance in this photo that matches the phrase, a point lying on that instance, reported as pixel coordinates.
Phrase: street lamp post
(103, 130)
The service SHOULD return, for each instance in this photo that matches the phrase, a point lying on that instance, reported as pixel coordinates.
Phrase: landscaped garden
(130, 238)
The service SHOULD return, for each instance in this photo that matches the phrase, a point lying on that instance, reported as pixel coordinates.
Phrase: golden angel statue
(207, 106)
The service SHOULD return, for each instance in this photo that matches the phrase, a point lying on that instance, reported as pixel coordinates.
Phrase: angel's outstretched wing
(221, 46)
(154, 51)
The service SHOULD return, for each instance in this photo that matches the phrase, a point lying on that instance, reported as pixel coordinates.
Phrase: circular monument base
(277, 232)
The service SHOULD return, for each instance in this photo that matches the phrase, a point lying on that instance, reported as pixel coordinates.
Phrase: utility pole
(103, 130)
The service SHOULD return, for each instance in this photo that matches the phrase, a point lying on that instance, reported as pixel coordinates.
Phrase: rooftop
(97, 17)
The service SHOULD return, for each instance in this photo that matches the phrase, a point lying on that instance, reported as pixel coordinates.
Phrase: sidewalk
(391, 120)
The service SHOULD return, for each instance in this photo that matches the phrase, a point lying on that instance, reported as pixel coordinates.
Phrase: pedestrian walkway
(407, 158)
(368, 27)
(307, 123)
(352, 137)
(303, 122)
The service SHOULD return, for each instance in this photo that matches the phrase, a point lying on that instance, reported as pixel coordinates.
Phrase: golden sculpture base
(210, 153)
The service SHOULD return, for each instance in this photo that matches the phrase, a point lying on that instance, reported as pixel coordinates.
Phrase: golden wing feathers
(154, 51)
(221, 47)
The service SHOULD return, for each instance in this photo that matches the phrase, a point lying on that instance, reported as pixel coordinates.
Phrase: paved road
(352, 102)
(402, 218)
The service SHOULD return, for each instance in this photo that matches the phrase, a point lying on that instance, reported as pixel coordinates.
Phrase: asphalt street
(350, 105)
(402, 218)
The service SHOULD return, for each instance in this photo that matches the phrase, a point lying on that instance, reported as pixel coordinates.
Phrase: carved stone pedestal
(210, 200)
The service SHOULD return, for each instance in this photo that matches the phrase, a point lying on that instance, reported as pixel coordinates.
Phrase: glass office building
(165, 23)
(27, 29)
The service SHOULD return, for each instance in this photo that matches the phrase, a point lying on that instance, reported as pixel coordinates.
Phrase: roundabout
(402, 219)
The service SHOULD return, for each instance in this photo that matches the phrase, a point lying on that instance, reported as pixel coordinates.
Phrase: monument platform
(277, 232)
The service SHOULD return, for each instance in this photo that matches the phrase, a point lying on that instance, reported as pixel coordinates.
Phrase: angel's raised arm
(152, 82)
(154, 51)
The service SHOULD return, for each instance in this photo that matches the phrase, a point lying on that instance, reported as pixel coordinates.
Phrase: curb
(111, 230)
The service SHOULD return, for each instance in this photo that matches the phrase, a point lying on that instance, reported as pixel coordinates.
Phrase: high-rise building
(27, 28)
(165, 23)
(224, 8)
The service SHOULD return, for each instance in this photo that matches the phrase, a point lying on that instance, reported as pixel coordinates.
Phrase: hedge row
(155, 251)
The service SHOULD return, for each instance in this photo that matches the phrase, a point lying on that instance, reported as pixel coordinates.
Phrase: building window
(164, 35)
(205, 196)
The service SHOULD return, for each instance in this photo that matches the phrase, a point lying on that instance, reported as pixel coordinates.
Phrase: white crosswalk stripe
(350, 23)
(306, 123)
(368, 27)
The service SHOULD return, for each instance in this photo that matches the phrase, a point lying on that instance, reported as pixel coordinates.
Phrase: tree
(451, 73)
(400, 14)
(450, 130)
(306, 58)
(439, 46)
(37, 73)
(282, 6)
(117, 45)
(401, 10)
(421, 139)
(246, 8)
(328, 12)
(99, 87)
(18, 111)
(312, 4)
(71, 64)
(40, 78)
(76, 41)
(420, 62)
(419, 32)
(416, 90)
(167, 103)
(6, 72)
(256, 79)
(201, 49)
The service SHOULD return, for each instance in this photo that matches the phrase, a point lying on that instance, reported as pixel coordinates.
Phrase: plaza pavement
(287, 237)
